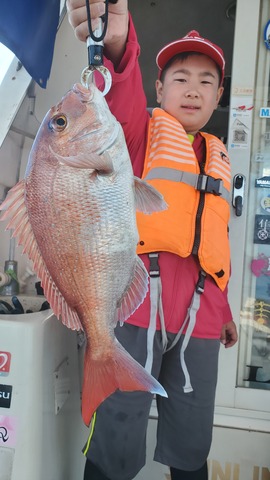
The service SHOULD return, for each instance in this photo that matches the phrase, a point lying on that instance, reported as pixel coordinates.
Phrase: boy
(175, 334)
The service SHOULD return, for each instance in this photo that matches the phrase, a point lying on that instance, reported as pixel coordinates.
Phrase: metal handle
(95, 47)
(238, 193)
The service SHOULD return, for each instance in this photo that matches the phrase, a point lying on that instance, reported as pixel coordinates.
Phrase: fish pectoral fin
(105, 165)
(100, 163)
(117, 371)
(135, 293)
(148, 199)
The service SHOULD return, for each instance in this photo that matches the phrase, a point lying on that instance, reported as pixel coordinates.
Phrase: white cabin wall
(13, 170)
(10, 156)
(70, 57)
(10, 153)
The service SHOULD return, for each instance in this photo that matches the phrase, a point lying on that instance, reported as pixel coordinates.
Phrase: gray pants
(118, 442)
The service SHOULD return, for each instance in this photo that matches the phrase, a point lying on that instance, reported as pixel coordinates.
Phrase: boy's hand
(229, 334)
(117, 23)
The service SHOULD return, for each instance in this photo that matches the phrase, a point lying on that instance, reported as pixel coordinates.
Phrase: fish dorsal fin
(15, 211)
(148, 199)
(135, 294)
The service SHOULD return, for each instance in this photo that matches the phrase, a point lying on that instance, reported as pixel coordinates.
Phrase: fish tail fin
(119, 371)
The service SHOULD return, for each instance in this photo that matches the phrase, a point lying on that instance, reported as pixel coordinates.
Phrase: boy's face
(190, 91)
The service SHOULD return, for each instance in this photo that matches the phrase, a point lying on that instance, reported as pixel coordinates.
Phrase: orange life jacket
(172, 168)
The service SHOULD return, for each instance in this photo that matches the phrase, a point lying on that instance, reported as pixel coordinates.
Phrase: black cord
(104, 18)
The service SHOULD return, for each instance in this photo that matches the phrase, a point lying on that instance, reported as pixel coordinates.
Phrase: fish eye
(58, 123)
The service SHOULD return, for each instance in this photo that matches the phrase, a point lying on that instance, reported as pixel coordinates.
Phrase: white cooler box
(41, 430)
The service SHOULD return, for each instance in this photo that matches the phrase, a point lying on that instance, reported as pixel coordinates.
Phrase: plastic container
(41, 430)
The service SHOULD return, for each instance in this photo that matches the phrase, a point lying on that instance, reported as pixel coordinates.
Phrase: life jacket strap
(208, 184)
(201, 182)
(201, 281)
(156, 307)
(190, 322)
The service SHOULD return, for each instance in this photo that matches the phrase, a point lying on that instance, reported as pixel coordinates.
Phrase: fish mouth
(97, 127)
(85, 94)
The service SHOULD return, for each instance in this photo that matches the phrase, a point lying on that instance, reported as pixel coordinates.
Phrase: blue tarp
(28, 28)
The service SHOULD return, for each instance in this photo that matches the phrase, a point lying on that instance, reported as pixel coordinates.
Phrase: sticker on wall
(261, 265)
(265, 112)
(5, 358)
(265, 203)
(262, 312)
(259, 157)
(262, 156)
(266, 35)
(262, 229)
(5, 396)
(240, 121)
(267, 137)
(8, 431)
(239, 133)
(263, 182)
(244, 108)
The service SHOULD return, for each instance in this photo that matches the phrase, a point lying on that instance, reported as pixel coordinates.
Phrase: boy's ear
(159, 90)
(219, 94)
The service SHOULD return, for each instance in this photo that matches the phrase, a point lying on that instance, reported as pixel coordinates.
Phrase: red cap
(192, 42)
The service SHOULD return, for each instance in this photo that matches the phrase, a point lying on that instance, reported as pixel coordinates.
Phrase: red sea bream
(74, 214)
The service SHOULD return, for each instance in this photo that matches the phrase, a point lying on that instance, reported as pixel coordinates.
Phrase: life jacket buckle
(209, 184)
(201, 282)
(154, 270)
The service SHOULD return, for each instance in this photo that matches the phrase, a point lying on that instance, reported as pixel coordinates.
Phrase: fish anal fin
(136, 292)
(118, 371)
(148, 199)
